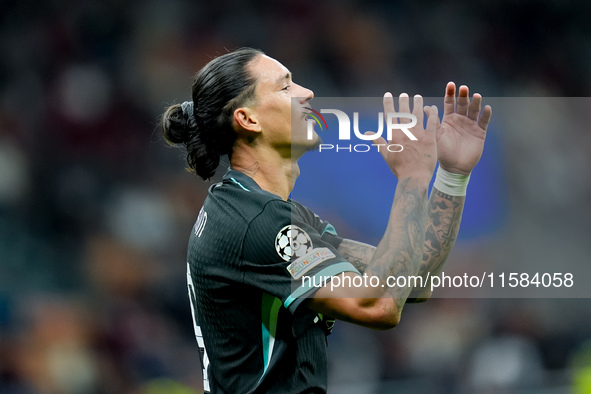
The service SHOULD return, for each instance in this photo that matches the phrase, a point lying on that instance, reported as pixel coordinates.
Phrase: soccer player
(260, 329)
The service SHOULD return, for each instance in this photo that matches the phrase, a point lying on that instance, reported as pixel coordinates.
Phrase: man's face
(280, 106)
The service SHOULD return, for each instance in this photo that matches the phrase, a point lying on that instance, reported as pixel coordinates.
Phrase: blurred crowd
(95, 211)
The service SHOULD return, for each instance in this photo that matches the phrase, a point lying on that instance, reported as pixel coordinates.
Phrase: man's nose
(306, 95)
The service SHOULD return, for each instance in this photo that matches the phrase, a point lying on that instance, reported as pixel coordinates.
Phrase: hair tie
(189, 113)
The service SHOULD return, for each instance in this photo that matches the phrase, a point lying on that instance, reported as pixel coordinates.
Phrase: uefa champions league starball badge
(292, 242)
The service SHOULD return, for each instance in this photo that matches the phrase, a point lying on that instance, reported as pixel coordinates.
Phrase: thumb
(379, 140)
(433, 123)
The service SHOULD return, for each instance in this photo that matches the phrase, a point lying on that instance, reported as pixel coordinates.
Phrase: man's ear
(245, 118)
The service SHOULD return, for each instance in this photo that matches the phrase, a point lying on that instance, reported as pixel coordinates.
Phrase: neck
(273, 170)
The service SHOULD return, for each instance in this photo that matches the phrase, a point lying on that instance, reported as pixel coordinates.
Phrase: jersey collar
(245, 182)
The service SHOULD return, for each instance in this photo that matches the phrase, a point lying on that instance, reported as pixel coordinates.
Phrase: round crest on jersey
(292, 241)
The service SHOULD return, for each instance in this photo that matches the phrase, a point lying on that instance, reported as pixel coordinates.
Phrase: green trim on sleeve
(329, 229)
(269, 316)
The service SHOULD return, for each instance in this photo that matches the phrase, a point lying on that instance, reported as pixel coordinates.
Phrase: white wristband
(450, 183)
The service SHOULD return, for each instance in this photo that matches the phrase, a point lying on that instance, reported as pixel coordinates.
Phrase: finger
(449, 102)
(389, 107)
(485, 118)
(379, 140)
(463, 101)
(474, 108)
(417, 107)
(404, 105)
(432, 119)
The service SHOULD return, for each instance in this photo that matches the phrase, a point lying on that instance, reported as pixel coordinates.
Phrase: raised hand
(460, 140)
(418, 158)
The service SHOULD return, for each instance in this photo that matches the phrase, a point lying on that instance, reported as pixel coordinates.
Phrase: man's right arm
(398, 254)
(444, 211)
(400, 251)
(357, 253)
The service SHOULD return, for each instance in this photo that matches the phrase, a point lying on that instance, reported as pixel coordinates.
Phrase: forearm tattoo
(443, 224)
(357, 253)
(401, 248)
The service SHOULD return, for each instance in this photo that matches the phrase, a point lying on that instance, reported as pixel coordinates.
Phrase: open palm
(460, 139)
(419, 156)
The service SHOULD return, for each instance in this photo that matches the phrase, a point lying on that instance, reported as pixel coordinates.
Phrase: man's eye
(286, 87)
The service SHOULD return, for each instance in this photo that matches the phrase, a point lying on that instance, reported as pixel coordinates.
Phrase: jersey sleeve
(290, 254)
(326, 230)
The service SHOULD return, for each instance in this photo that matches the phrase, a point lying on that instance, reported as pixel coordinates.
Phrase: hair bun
(179, 127)
(176, 126)
(204, 126)
(189, 113)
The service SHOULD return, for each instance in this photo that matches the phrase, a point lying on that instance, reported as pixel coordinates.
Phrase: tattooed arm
(444, 214)
(400, 251)
(460, 141)
(357, 253)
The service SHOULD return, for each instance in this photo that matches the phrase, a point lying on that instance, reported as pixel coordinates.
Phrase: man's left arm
(460, 142)
(444, 214)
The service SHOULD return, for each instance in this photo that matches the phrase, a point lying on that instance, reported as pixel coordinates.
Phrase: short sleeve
(326, 230)
(289, 253)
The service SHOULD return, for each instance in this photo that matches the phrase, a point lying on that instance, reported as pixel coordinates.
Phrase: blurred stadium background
(95, 212)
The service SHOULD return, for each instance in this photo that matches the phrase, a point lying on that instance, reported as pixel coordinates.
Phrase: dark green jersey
(248, 254)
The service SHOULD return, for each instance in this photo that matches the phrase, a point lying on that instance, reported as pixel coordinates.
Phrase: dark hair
(220, 87)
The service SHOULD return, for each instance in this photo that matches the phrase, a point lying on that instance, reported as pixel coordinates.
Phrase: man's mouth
(316, 117)
(307, 114)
